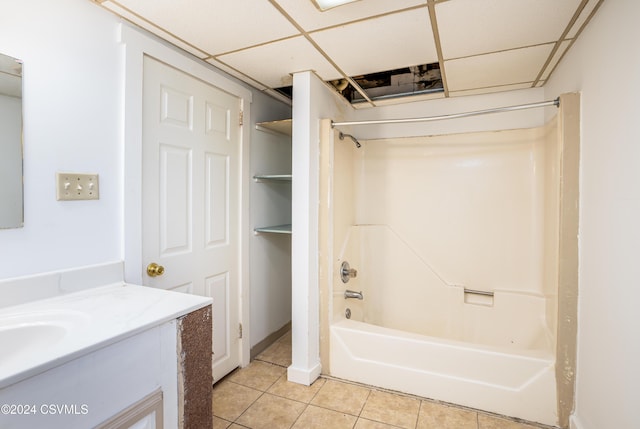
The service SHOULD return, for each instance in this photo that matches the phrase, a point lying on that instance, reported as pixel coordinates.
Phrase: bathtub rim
(530, 400)
(538, 355)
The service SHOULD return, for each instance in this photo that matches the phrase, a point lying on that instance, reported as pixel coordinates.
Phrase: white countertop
(40, 335)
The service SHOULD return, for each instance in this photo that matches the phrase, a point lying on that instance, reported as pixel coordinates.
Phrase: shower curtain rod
(555, 102)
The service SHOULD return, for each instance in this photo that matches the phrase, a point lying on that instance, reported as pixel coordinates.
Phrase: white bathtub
(422, 220)
(495, 379)
(415, 334)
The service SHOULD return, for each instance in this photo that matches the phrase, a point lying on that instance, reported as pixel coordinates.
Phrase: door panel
(217, 206)
(218, 289)
(175, 200)
(190, 202)
(177, 107)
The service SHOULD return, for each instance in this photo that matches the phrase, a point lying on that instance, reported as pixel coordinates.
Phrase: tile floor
(260, 397)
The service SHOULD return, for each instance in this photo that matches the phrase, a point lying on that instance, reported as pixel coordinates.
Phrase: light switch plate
(77, 186)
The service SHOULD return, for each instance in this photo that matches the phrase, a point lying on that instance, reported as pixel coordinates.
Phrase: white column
(305, 366)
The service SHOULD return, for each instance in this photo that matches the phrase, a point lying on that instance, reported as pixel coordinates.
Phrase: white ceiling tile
(409, 99)
(500, 68)
(272, 64)
(153, 29)
(556, 57)
(491, 89)
(385, 43)
(236, 73)
(472, 27)
(310, 18)
(216, 26)
(255, 40)
(584, 15)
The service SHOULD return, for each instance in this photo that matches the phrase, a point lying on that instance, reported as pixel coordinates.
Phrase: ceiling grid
(480, 46)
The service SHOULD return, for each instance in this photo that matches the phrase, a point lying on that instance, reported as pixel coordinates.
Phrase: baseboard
(271, 338)
(304, 376)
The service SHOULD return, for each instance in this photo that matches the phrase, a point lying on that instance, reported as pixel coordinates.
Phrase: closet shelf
(282, 127)
(281, 130)
(272, 177)
(277, 229)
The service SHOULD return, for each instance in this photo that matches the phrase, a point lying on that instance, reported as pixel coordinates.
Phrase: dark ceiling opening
(404, 82)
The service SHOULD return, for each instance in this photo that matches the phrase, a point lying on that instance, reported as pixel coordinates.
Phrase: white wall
(604, 65)
(72, 80)
(73, 110)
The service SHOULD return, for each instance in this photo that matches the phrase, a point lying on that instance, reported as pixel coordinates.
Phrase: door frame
(135, 46)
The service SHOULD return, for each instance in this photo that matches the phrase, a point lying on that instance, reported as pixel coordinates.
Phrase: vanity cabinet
(114, 357)
(195, 381)
(144, 414)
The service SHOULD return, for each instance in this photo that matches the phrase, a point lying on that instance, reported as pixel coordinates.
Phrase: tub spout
(352, 294)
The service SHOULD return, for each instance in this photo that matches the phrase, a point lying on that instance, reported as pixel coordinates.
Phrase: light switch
(77, 186)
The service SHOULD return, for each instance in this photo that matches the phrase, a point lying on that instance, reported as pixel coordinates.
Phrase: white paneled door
(190, 201)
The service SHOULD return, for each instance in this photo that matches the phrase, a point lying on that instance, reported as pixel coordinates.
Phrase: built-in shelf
(272, 177)
(277, 229)
(282, 127)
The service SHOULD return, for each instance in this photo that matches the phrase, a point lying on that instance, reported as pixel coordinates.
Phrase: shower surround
(456, 239)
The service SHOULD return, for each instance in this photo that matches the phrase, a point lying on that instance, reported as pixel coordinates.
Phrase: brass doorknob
(155, 270)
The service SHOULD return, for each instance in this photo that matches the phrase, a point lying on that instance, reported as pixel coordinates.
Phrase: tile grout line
(235, 421)
(300, 415)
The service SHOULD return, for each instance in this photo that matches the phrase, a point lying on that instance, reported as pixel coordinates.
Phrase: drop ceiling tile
(310, 17)
(500, 68)
(218, 26)
(472, 27)
(379, 44)
(236, 73)
(272, 64)
(126, 14)
(490, 90)
(409, 99)
(582, 19)
(556, 57)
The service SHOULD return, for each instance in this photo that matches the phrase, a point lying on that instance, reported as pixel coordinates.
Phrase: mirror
(11, 198)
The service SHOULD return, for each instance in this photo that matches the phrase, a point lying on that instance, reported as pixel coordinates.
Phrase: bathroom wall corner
(569, 135)
(574, 423)
(325, 240)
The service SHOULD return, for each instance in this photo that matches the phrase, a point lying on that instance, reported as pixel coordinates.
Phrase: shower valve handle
(346, 272)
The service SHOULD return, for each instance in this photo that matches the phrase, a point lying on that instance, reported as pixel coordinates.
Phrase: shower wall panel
(470, 207)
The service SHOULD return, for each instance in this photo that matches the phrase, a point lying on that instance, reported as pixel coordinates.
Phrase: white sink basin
(26, 335)
(17, 340)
